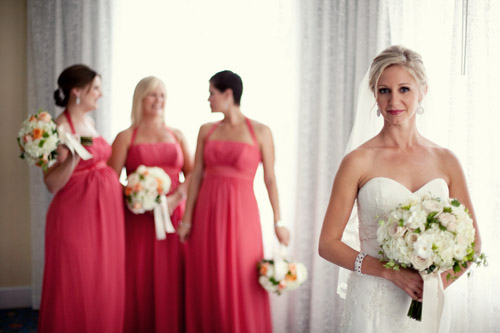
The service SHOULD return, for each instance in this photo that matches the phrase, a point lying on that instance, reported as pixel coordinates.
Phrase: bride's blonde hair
(397, 55)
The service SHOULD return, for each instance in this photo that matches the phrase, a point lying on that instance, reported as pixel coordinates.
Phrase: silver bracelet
(358, 262)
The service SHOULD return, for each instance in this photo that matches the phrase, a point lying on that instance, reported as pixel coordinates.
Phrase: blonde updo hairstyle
(143, 88)
(398, 55)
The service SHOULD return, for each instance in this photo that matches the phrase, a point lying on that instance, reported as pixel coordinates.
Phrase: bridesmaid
(83, 283)
(222, 218)
(154, 268)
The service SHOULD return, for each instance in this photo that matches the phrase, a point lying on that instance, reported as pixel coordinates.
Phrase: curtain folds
(338, 41)
(62, 33)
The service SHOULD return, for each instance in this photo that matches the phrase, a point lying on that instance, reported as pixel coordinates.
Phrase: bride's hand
(410, 281)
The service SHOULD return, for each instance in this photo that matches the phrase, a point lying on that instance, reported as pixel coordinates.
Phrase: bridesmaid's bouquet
(280, 275)
(430, 235)
(38, 139)
(145, 187)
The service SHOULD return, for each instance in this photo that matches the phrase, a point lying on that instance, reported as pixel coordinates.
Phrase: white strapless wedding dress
(374, 304)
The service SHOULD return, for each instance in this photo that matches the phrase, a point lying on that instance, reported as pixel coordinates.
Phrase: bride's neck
(404, 136)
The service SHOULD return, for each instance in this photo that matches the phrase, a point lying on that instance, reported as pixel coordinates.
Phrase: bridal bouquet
(430, 235)
(38, 139)
(145, 187)
(281, 275)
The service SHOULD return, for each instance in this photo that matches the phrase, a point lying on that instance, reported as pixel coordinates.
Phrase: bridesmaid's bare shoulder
(124, 137)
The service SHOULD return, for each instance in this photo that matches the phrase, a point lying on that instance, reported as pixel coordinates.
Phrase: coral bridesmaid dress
(84, 276)
(154, 268)
(222, 289)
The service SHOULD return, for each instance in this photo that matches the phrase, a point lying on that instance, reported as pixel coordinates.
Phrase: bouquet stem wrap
(433, 301)
(163, 224)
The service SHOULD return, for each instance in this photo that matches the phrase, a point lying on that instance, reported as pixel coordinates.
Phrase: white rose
(459, 252)
(447, 218)
(411, 237)
(420, 263)
(280, 270)
(395, 230)
(266, 284)
(432, 206)
(423, 246)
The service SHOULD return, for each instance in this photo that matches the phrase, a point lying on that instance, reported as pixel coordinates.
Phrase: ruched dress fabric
(375, 304)
(225, 244)
(154, 268)
(84, 274)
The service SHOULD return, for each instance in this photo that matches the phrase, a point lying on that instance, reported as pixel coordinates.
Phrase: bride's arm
(331, 247)
(459, 190)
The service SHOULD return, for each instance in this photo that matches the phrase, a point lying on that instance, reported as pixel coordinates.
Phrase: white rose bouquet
(145, 187)
(281, 276)
(430, 235)
(146, 191)
(38, 139)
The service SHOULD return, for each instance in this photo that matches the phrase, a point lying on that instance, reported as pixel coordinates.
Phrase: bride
(380, 174)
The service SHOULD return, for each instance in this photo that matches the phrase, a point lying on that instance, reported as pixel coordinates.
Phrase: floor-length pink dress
(154, 268)
(84, 274)
(225, 244)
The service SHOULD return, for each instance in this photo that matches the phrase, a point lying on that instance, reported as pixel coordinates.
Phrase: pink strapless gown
(155, 268)
(84, 276)
(222, 289)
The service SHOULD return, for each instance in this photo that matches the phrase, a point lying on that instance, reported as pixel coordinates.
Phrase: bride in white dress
(380, 174)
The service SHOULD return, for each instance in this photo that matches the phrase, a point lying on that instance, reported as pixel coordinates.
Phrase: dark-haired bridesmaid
(84, 276)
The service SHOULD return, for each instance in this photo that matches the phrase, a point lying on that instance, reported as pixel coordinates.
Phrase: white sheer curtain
(461, 51)
(62, 33)
(461, 114)
(338, 39)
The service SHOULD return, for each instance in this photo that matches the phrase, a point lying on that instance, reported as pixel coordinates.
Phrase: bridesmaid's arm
(175, 198)
(119, 152)
(188, 166)
(56, 177)
(194, 185)
(267, 148)
(459, 190)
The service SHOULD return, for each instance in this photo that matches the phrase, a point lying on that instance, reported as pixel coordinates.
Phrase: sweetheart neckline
(406, 188)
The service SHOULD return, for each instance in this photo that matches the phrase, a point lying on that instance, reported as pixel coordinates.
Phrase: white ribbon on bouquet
(73, 145)
(163, 224)
(433, 302)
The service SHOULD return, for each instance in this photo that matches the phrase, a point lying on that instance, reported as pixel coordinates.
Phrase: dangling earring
(77, 100)
(420, 109)
(378, 112)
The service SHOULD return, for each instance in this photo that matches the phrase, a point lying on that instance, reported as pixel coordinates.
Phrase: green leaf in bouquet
(401, 222)
(456, 267)
(455, 203)
(447, 210)
(41, 143)
(45, 135)
(431, 218)
(407, 207)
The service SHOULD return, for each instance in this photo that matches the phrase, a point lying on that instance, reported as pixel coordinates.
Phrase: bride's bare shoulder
(361, 158)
